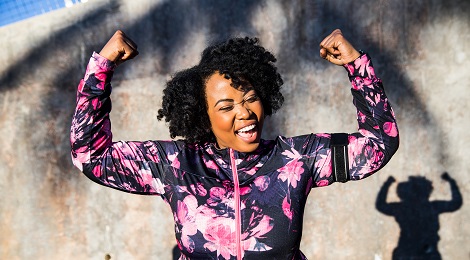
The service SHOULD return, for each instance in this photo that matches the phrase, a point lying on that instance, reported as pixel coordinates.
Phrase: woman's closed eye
(252, 98)
(249, 99)
(226, 108)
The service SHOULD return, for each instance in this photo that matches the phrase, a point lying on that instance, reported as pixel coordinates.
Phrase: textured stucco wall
(421, 50)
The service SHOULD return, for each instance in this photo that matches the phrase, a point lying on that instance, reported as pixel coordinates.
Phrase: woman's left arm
(377, 139)
(367, 150)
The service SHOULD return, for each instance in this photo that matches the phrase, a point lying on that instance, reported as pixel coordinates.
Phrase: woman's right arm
(134, 167)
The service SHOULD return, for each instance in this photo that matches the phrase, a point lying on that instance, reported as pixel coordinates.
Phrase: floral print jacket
(227, 204)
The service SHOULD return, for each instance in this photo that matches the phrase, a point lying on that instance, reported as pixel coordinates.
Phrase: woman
(233, 194)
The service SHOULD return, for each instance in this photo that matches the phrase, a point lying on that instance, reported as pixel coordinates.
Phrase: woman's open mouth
(248, 133)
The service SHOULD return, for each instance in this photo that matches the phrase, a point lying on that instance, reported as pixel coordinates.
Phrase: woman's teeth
(246, 128)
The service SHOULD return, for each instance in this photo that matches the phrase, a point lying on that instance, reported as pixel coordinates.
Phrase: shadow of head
(415, 189)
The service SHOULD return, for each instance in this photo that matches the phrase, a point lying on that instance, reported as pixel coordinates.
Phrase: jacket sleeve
(377, 138)
(135, 167)
(372, 146)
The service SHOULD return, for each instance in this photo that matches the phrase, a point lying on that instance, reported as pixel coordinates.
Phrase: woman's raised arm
(128, 166)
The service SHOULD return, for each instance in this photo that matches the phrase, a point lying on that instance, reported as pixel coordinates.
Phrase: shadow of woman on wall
(417, 217)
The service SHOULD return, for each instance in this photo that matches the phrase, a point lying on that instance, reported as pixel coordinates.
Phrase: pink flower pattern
(185, 218)
(220, 235)
(286, 208)
(196, 180)
(292, 170)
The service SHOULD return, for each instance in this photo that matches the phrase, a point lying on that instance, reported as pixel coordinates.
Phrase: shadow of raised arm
(381, 201)
(455, 203)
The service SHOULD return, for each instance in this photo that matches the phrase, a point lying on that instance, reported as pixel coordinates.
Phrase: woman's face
(236, 115)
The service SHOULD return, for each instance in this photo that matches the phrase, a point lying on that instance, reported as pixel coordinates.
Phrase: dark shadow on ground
(417, 217)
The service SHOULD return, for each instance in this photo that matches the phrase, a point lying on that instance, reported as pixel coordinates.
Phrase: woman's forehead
(218, 87)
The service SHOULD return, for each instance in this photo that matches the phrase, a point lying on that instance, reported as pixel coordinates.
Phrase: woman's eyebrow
(223, 100)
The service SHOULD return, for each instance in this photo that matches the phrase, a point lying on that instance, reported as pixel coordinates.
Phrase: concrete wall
(421, 50)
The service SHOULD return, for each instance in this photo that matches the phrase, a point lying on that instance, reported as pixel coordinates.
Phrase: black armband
(339, 155)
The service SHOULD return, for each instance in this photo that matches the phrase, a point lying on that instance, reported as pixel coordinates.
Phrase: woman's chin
(247, 148)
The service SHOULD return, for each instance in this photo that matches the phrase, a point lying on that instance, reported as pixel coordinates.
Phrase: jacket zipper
(237, 204)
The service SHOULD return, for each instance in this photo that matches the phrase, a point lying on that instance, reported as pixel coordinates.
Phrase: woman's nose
(243, 111)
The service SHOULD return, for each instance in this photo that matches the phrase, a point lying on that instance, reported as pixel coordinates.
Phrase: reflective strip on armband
(339, 155)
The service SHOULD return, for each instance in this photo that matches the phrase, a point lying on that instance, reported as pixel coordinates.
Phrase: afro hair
(184, 105)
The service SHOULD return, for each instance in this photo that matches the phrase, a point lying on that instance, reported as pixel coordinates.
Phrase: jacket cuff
(102, 63)
(100, 67)
(360, 67)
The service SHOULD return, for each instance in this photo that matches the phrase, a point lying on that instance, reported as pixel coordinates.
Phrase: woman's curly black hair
(184, 105)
